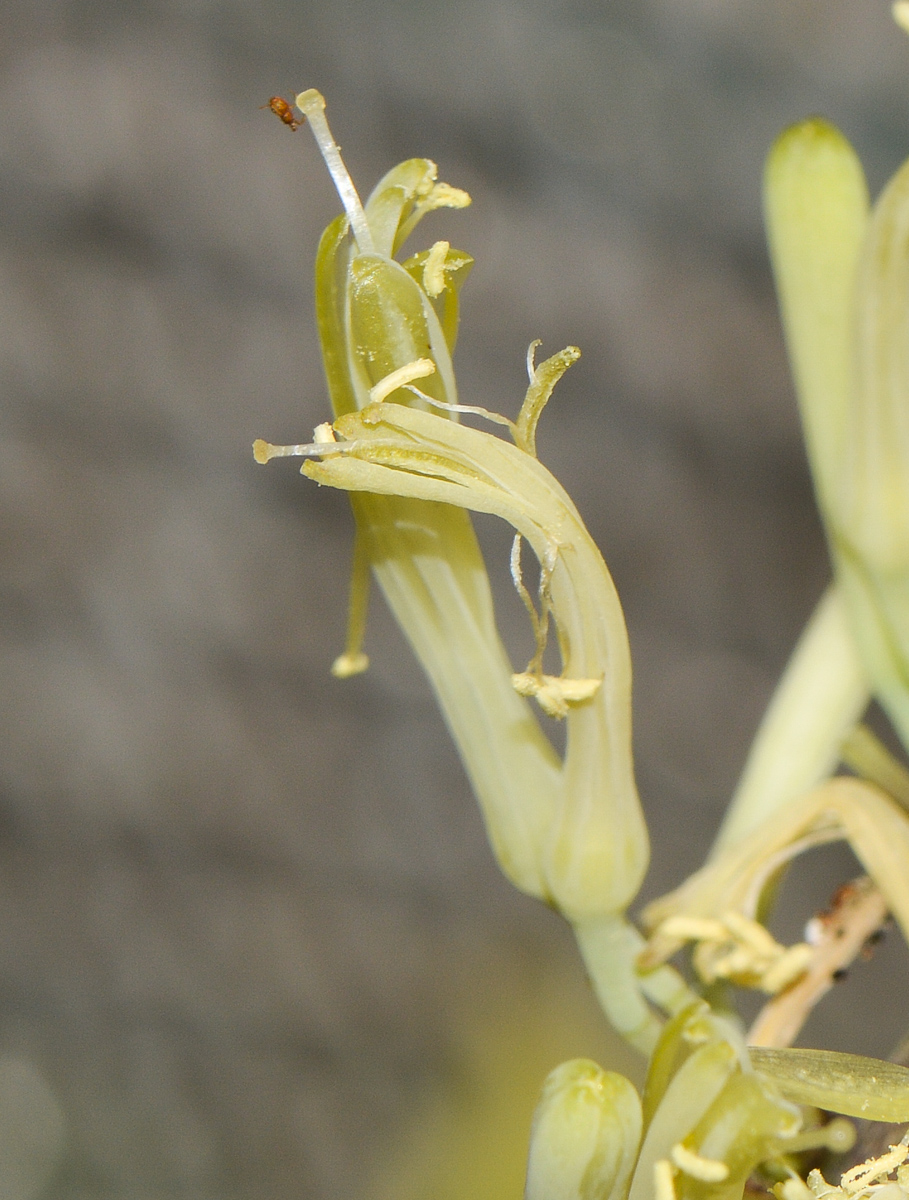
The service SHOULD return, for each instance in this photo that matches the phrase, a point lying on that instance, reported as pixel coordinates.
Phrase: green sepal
(457, 267)
(837, 1082)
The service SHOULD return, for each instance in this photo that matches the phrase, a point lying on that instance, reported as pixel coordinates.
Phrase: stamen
(708, 1170)
(752, 933)
(555, 693)
(418, 369)
(837, 1136)
(858, 1178)
(264, 452)
(437, 195)
(312, 105)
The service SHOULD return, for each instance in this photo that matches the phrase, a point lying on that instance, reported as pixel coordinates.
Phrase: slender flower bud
(585, 1135)
(870, 522)
(843, 279)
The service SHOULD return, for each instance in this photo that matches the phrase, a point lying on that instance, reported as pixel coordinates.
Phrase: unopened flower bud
(585, 1136)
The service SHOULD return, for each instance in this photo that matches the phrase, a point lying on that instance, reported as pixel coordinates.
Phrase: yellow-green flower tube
(595, 850)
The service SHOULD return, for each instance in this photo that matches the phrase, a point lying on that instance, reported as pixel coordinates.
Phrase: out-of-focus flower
(842, 273)
(717, 907)
(713, 1111)
(585, 1135)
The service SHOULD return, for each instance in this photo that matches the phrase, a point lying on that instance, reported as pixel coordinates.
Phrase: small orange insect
(283, 110)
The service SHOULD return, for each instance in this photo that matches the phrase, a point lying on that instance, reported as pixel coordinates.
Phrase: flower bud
(843, 280)
(585, 1135)
(870, 519)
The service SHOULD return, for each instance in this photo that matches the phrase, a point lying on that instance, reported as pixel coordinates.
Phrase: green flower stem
(609, 947)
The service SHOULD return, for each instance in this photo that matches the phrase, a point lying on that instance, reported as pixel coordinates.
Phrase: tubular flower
(569, 831)
(376, 320)
(713, 1111)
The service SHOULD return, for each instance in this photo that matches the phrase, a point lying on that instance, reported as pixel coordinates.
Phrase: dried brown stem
(857, 912)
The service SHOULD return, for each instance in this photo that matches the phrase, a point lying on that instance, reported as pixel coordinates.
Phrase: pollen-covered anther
(707, 1170)
(443, 195)
(434, 269)
(555, 693)
(347, 665)
(819, 1187)
(734, 947)
(420, 368)
(873, 1170)
(323, 434)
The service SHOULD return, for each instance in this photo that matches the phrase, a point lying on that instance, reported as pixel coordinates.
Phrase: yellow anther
(708, 1170)
(787, 968)
(261, 451)
(555, 693)
(347, 665)
(434, 269)
(693, 929)
(418, 369)
(443, 195)
(751, 933)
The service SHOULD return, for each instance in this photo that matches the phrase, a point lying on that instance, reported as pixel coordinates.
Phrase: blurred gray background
(245, 908)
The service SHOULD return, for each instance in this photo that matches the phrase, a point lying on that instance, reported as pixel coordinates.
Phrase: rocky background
(252, 942)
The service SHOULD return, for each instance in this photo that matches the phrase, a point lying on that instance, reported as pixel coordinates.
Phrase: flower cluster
(718, 1104)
